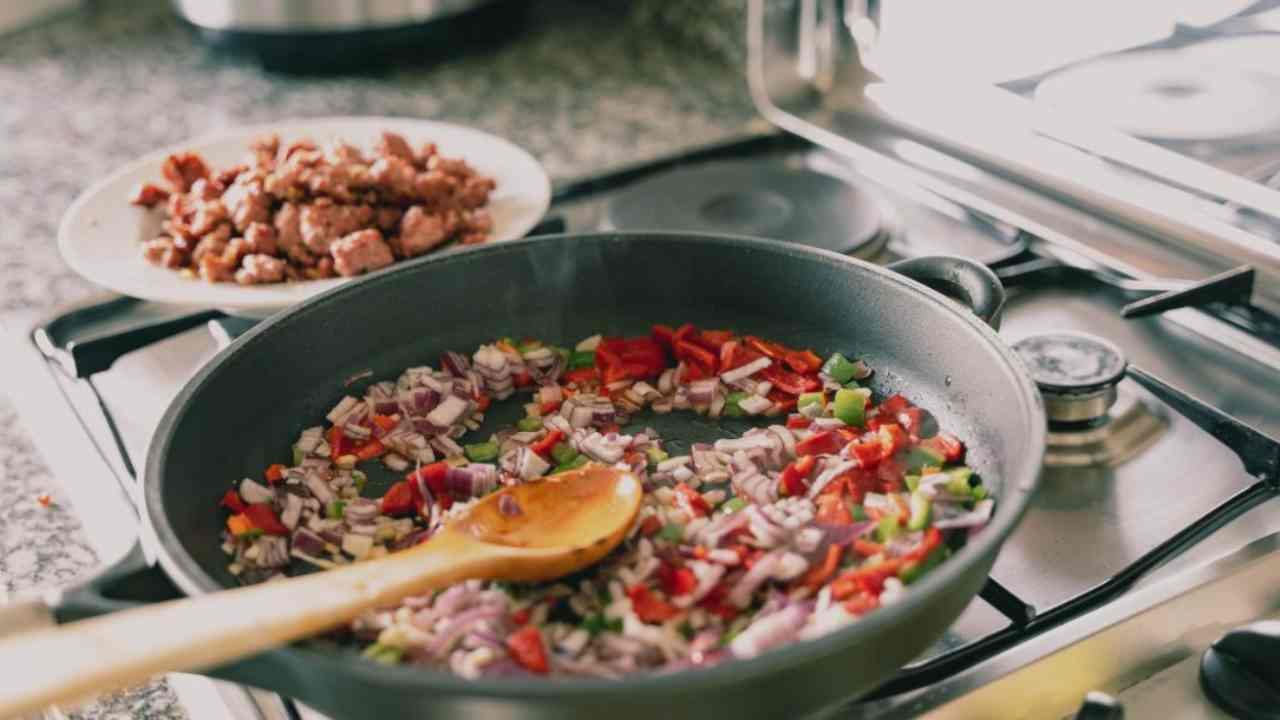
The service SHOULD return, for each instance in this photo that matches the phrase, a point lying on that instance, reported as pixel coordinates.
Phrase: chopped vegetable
(839, 368)
(526, 648)
(851, 406)
(529, 424)
(482, 452)
(563, 453)
(671, 532)
(274, 473)
(334, 510)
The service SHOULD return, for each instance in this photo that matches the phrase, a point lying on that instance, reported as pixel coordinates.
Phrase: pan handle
(130, 582)
(968, 281)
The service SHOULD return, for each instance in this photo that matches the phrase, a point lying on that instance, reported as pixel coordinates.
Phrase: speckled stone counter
(585, 86)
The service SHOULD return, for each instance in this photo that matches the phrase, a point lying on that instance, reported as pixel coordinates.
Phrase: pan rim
(1020, 483)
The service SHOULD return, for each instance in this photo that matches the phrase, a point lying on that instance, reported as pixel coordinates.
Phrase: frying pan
(242, 411)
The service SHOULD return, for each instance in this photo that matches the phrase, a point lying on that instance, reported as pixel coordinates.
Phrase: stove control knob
(1100, 706)
(1241, 671)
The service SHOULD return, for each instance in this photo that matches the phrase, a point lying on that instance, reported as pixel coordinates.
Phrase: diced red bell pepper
(713, 340)
(523, 379)
(401, 499)
(683, 332)
(820, 573)
(697, 504)
(613, 373)
(789, 382)
(231, 501)
(823, 442)
(786, 403)
(274, 473)
(649, 608)
(339, 445)
(676, 581)
(650, 526)
(664, 335)
(264, 518)
(482, 402)
(892, 438)
(549, 407)
(858, 483)
(867, 450)
(734, 354)
(582, 376)
(894, 404)
(861, 604)
(526, 648)
(714, 603)
(949, 446)
(548, 441)
(370, 450)
(866, 548)
(803, 362)
(385, 423)
(239, 524)
(931, 541)
(430, 475)
(798, 422)
(890, 473)
(869, 580)
(697, 355)
(793, 481)
(832, 509)
(764, 347)
(521, 616)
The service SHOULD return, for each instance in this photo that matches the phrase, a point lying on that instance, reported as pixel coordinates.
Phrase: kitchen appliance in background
(343, 35)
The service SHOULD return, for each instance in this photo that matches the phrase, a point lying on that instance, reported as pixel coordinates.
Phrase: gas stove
(1157, 525)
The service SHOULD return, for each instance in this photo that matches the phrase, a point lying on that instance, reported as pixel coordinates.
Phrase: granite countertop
(585, 85)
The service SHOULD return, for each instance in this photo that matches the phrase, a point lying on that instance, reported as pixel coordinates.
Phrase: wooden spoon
(556, 526)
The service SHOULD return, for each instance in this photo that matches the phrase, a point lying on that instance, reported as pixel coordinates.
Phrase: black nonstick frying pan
(241, 412)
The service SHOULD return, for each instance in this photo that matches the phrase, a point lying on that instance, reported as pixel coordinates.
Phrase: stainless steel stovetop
(1112, 494)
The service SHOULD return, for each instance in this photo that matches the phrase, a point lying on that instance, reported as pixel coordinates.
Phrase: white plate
(101, 233)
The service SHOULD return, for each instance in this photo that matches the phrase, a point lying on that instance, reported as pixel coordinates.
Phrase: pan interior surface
(244, 410)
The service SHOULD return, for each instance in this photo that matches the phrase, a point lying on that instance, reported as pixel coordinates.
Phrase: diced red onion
(761, 571)
(746, 371)
(829, 474)
(754, 405)
(255, 492)
(308, 542)
(319, 489)
(978, 517)
(338, 414)
(456, 364)
(769, 631)
(360, 510)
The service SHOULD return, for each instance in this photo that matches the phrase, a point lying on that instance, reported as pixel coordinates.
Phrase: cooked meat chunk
(394, 145)
(161, 251)
(183, 169)
(257, 269)
(394, 177)
(148, 195)
(419, 232)
(261, 239)
(313, 212)
(288, 227)
(323, 222)
(248, 204)
(360, 252)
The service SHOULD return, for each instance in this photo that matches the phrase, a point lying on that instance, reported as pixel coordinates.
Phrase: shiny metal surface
(1129, 428)
(289, 16)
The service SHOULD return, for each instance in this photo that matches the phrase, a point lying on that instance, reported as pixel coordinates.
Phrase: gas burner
(1077, 373)
(1188, 94)
(1091, 422)
(757, 196)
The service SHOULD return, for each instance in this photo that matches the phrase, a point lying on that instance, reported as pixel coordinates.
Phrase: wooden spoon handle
(70, 662)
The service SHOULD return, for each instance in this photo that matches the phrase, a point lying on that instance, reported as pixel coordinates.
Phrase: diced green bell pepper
(529, 424)
(912, 481)
(482, 452)
(563, 453)
(298, 456)
(529, 346)
(596, 624)
(734, 504)
(385, 654)
(673, 532)
(838, 368)
(920, 511)
(582, 359)
(811, 398)
(335, 509)
(922, 457)
(573, 464)
(851, 406)
(979, 493)
(656, 454)
(888, 528)
(360, 479)
(731, 406)
(959, 482)
(859, 513)
(916, 570)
